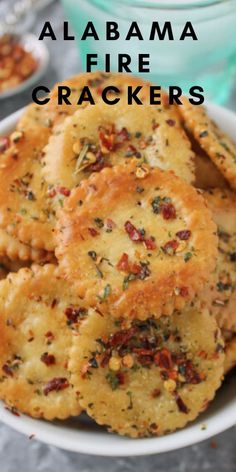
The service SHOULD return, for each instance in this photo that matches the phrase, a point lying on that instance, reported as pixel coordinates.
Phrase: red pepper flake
(154, 426)
(150, 243)
(170, 247)
(184, 234)
(122, 337)
(145, 360)
(163, 359)
(123, 136)
(98, 165)
(49, 335)
(84, 370)
(142, 351)
(170, 122)
(64, 191)
(14, 155)
(180, 358)
(99, 90)
(48, 359)
(168, 211)
(202, 354)
(191, 375)
(132, 151)
(121, 378)
(183, 291)
(134, 233)
(52, 193)
(181, 405)
(12, 410)
(156, 393)
(54, 303)
(137, 235)
(74, 313)
(56, 384)
(142, 145)
(110, 224)
(123, 263)
(164, 375)
(173, 375)
(132, 268)
(7, 370)
(106, 358)
(155, 125)
(107, 137)
(4, 143)
(135, 268)
(93, 232)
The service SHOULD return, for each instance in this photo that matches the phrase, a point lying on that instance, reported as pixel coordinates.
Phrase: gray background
(17, 452)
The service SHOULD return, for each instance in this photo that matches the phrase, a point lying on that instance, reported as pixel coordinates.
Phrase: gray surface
(17, 452)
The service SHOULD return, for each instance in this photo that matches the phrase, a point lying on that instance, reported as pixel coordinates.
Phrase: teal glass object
(209, 62)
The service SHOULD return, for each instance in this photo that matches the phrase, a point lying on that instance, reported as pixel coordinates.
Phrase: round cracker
(25, 210)
(215, 142)
(101, 136)
(154, 376)
(39, 316)
(29, 210)
(222, 294)
(138, 238)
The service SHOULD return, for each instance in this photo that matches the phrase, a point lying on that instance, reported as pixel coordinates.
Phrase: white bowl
(84, 436)
(40, 52)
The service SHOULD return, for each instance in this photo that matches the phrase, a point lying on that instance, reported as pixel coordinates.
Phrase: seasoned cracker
(39, 317)
(222, 296)
(215, 142)
(136, 240)
(101, 136)
(25, 209)
(28, 211)
(154, 376)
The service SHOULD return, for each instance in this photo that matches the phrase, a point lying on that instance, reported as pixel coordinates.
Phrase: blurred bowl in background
(40, 53)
